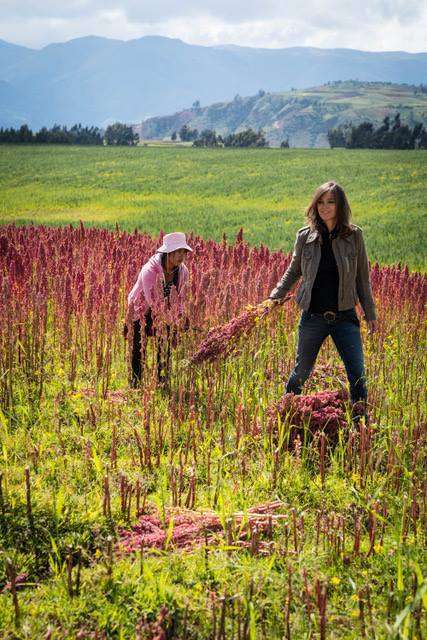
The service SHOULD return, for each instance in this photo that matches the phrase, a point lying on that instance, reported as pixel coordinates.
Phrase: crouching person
(164, 269)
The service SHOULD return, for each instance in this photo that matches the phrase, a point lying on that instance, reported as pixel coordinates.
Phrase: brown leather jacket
(353, 270)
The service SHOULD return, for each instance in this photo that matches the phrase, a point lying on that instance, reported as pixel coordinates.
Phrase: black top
(167, 286)
(324, 295)
(149, 329)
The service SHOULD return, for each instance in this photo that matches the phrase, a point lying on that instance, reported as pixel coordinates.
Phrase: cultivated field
(204, 508)
(200, 510)
(212, 192)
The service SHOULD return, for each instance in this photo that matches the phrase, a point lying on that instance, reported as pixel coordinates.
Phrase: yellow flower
(354, 613)
(335, 580)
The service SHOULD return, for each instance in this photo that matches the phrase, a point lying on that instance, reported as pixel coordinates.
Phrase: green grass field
(217, 191)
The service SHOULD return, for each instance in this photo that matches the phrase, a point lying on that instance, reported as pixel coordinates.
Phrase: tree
(361, 137)
(25, 134)
(196, 104)
(59, 135)
(419, 137)
(365, 136)
(42, 136)
(85, 135)
(396, 123)
(173, 136)
(246, 138)
(187, 135)
(120, 134)
(381, 135)
(183, 133)
(56, 135)
(336, 138)
(208, 138)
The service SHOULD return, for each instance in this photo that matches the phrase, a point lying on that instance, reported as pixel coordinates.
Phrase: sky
(375, 25)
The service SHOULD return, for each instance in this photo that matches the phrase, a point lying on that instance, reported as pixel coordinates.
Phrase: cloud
(373, 25)
(235, 11)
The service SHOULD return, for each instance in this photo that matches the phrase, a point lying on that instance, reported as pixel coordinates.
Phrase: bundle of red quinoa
(325, 411)
(184, 529)
(223, 340)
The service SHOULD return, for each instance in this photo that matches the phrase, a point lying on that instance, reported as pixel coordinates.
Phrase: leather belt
(330, 316)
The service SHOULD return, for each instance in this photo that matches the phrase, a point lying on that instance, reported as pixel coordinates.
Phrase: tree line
(114, 134)
(389, 135)
(210, 138)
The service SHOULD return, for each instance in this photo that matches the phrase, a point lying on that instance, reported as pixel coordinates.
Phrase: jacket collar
(312, 236)
(316, 235)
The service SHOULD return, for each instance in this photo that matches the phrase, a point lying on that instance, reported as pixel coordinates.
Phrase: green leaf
(410, 607)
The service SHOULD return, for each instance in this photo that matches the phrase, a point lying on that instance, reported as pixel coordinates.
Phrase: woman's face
(326, 207)
(177, 257)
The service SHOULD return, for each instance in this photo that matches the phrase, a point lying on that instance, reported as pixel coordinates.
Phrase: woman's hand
(372, 326)
(271, 303)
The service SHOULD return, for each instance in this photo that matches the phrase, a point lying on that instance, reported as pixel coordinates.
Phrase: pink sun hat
(174, 241)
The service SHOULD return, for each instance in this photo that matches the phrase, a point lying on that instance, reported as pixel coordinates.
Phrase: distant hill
(302, 116)
(96, 80)
(12, 54)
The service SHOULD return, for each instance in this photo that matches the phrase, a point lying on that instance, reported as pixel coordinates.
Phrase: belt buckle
(330, 316)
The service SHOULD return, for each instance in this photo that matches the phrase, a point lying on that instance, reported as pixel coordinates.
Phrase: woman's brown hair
(342, 208)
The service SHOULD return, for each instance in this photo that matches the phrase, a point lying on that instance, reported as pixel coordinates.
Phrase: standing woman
(167, 266)
(330, 256)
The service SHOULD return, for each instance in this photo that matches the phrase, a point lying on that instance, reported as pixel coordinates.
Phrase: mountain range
(96, 80)
(301, 116)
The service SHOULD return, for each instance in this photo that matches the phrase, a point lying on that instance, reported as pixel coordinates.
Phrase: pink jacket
(140, 299)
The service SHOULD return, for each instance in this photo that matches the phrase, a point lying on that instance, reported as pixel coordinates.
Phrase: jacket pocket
(306, 258)
(307, 252)
(350, 261)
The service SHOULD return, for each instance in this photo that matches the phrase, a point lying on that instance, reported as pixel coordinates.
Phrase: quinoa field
(215, 191)
(209, 506)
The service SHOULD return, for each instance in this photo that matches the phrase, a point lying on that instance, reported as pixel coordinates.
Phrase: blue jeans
(345, 332)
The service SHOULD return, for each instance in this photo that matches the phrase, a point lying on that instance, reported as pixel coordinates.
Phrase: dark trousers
(139, 345)
(345, 332)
